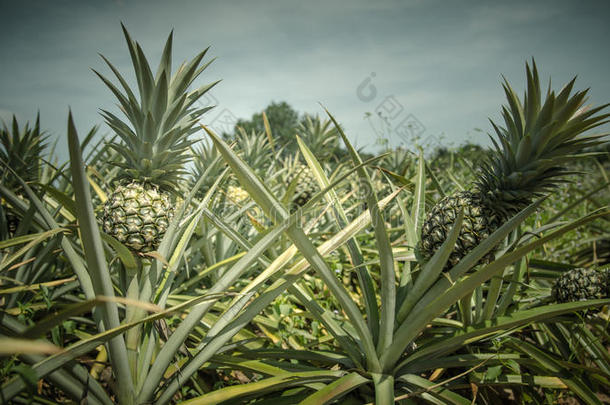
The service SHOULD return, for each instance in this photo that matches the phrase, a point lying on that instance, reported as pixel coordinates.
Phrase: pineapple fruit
(582, 284)
(237, 195)
(305, 187)
(528, 161)
(21, 155)
(137, 214)
(155, 145)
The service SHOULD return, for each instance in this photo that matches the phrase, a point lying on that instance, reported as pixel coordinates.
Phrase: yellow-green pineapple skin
(137, 215)
(237, 195)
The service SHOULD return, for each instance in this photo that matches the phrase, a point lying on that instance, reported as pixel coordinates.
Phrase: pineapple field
(165, 263)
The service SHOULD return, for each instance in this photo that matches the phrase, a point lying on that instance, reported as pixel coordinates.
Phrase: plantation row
(165, 263)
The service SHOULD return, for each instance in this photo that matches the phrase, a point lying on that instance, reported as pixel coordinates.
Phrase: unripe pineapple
(237, 195)
(528, 161)
(306, 185)
(154, 148)
(582, 284)
(138, 215)
(479, 221)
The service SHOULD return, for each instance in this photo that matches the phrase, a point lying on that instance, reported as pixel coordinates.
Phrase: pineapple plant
(255, 150)
(399, 161)
(581, 284)
(207, 161)
(321, 136)
(528, 161)
(155, 145)
(20, 154)
(238, 199)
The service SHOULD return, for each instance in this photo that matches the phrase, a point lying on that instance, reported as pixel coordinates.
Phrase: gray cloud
(441, 60)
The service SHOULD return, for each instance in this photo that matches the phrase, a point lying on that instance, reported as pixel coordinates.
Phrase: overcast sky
(432, 67)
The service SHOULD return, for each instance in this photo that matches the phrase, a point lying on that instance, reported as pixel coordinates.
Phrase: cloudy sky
(432, 67)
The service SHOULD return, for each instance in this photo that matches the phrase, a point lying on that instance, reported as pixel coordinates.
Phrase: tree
(283, 119)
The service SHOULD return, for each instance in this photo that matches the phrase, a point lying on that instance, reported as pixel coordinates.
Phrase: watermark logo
(208, 99)
(366, 91)
(223, 121)
(390, 119)
(411, 128)
(390, 108)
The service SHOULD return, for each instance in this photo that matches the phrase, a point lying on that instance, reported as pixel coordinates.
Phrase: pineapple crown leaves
(537, 140)
(254, 148)
(321, 136)
(20, 152)
(206, 161)
(155, 139)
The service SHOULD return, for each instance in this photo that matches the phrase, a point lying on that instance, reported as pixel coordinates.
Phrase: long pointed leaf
(96, 263)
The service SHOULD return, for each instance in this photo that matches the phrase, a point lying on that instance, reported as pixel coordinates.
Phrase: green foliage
(21, 153)
(245, 300)
(283, 119)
